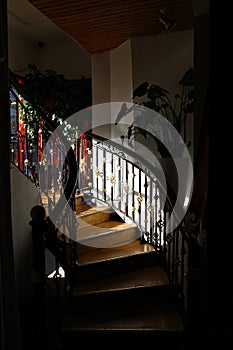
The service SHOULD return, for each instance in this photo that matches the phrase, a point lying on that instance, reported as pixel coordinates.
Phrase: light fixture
(167, 20)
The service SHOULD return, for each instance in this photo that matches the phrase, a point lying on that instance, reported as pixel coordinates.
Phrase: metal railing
(113, 175)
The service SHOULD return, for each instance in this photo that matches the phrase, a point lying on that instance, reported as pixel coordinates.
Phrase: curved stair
(122, 292)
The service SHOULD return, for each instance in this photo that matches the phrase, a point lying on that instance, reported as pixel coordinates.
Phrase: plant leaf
(141, 90)
(156, 91)
(150, 104)
(188, 78)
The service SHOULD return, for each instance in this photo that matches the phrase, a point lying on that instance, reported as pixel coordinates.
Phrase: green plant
(157, 98)
(50, 98)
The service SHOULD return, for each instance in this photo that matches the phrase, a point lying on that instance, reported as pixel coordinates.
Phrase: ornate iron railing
(117, 177)
(110, 174)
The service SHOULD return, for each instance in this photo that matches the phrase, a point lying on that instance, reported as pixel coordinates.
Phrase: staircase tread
(153, 276)
(94, 209)
(81, 208)
(86, 230)
(91, 255)
(109, 224)
(86, 209)
(139, 315)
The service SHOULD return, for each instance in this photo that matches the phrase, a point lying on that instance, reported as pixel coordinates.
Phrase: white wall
(64, 56)
(101, 93)
(121, 73)
(100, 65)
(24, 196)
(111, 82)
(162, 59)
(21, 52)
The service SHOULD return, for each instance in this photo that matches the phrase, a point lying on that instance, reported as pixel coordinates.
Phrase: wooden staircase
(122, 293)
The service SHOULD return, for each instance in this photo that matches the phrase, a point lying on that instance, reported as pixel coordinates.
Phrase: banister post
(38, 224)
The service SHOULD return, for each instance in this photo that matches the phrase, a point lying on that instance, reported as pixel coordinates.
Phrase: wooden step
(123, 314)
(94, 215)
(139, 315)
(100, 226)
(135, 306)
(147, 277)
(101, 262)
(106, 234)
(89, 255)
(156, 339)
(82, 207)
(137, 283)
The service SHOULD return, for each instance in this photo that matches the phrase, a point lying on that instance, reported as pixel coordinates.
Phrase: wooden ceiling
(100, 26)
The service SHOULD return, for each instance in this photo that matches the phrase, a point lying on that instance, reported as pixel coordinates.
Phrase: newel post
(38, 224)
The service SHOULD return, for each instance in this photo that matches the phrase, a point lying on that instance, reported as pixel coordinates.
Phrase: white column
(101, 91)
(121, 72)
